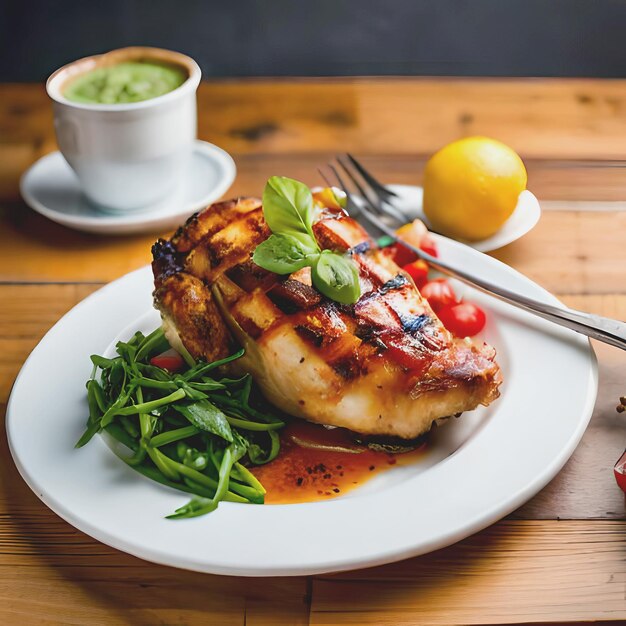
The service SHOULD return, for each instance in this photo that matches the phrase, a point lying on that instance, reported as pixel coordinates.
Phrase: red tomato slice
(418, 271)
(400, 254)
(414, 232)
(439, 293)
(417, 235)
(429, 246)
(169, 360)
(463, 319)
(620, 472)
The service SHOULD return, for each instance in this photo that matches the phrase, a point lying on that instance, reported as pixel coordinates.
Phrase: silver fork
(377, 214)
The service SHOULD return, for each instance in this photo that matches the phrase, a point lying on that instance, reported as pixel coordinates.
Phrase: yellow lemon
(471, 187)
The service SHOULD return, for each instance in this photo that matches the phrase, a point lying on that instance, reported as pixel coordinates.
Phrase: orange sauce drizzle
(304, 473)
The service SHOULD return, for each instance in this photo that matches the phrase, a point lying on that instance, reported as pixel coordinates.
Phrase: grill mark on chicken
(292, 295)
(206, 282)
(361, 248)
(187, 303)
(206, 223)
(249, 276)
(415, 323)
(339, 233)
(166, 260)
(396, 282)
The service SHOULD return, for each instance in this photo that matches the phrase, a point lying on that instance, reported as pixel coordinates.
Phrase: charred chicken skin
(384, 366)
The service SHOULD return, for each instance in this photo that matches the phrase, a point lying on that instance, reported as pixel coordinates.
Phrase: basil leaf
(285, 254)
(206, 416)
(336, 276)
(288, 206)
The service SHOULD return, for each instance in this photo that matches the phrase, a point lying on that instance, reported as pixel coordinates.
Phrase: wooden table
(561, 558)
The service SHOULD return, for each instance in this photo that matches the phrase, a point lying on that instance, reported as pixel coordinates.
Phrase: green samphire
(131, 81)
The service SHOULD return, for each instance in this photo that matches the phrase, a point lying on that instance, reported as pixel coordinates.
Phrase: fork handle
(603, 329)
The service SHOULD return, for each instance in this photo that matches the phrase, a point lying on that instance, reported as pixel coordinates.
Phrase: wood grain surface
(560, 558)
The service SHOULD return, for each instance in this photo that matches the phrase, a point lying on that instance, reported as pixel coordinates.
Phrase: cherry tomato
(463, 319)
(418, 271)
(439, 293)
(400, 255)
(417, 235)
(620, 472)
(413, 232)
(429, 246)
(169, 360)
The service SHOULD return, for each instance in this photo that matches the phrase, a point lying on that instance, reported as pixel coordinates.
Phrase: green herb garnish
(186, 430)
(288, 211)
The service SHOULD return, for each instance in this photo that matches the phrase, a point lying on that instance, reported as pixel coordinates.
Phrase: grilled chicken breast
(384, 366)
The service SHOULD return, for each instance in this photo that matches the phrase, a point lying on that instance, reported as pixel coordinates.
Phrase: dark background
(326, 37)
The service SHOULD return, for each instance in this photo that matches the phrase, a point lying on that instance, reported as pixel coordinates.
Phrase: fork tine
(352, 207)
(324, 177)
(374, 204)
(377, 204)
(359, 211)
(383, 204)
(342, 184)
(373, 182)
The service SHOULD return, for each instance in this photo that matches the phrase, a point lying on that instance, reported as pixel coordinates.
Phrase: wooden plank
(539, 118)
(585, 488)
(35, 249)
(556, 118)
(572, 252)
(514, 572)
(545, 120)
(549, 180)
(27, 312)
(59, 576)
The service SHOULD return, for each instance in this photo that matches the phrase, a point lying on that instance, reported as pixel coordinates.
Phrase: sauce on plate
(316, 463)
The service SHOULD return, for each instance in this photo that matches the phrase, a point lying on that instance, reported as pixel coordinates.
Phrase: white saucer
(51, 188)
(524, 218)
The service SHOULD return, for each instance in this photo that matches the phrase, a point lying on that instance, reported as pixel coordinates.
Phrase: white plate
(51, 188)
(479, 468)
(524, 217)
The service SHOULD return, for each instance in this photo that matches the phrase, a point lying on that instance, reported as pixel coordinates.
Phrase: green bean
(161, 461)
(146, 407)
(203, 506)
(154, 342)
(228, 497)
(99, 397)
(207, 385)
(173, 435)
(187, 485)
(255, 426)
(154, 371)
(104, 363)
(129, 426)
(196, 372)
(117, 432)
(247, 476)
(116, 407)
(208, 425)
(233, 404)
(151, 383)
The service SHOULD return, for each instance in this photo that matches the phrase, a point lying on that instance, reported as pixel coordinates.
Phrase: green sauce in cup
(131, 81)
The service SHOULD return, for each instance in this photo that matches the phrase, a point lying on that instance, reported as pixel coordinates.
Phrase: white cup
(127, 156)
